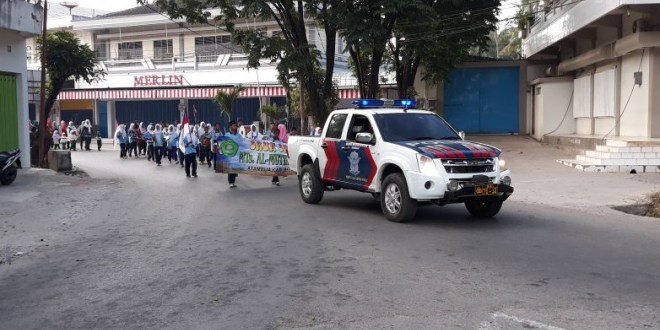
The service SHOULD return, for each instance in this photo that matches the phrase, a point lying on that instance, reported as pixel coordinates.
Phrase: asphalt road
(140, 246)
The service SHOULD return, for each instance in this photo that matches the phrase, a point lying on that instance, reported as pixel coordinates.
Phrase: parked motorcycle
(9, 163)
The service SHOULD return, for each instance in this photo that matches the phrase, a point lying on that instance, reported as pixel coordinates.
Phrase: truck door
(357, 167)
(332, 137)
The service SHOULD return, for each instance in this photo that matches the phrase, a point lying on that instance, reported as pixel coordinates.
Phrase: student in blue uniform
(190, 142)
(159, 142)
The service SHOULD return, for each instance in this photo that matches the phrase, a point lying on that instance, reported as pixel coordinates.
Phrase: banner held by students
(252, 157)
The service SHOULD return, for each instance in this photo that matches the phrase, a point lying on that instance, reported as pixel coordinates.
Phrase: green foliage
(225, 101)
(437, 37)
(273, 112)
(67, 58)
(296, 58)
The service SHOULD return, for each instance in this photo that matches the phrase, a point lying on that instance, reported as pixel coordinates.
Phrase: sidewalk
(539, 179)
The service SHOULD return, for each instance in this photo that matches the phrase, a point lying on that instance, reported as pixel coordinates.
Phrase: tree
(225, 101)
(436, 37)
(367, 26)
(297, 59)
(67, 58)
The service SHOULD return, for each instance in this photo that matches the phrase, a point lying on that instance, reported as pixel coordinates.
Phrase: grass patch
(654, 206)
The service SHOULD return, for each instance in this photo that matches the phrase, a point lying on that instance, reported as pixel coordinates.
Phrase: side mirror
(462, 135)
(364, 138)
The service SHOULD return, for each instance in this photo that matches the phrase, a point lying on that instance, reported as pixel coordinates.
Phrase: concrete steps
(619, 156)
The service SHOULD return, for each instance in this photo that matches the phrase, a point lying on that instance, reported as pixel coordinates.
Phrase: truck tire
(310, 185)
(483, 209)
(395, 201)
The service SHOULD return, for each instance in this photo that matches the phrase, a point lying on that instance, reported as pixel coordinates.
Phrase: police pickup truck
(403, 157)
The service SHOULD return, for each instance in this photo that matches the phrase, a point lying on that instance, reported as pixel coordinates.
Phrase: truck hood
(451, 149)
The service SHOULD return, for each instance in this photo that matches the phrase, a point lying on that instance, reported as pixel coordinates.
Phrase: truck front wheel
(395, 200)
(483, 209)
(311, 186)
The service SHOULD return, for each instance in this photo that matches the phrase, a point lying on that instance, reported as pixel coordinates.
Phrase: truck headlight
(502, 164)
(426, 165)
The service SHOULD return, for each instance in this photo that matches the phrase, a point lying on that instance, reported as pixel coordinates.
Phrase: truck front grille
(479, 165)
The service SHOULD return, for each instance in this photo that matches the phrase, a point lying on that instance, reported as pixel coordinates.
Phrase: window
(130, 50)
(28, 54)
(604, 93)
(336, 126)
(208, 49)
(582, 97)
(101, 51)
(163, 50)
(359, 124)
(398, 126)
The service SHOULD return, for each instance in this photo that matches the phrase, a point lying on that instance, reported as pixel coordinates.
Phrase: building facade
(595, 68)
(18, 20)
(157, 66)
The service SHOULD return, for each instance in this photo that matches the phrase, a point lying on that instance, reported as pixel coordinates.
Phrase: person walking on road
(159, 142)
(148, 137)
(276, 137)
(234, 135)
(122, 139)
(190, 142)
(56, 139)
(172, 142)
(132, 140)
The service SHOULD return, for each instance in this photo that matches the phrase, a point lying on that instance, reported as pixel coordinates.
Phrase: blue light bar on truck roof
(365, 103)
(370, 103)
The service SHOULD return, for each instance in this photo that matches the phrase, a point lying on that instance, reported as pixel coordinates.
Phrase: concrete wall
(550, 107)
(634, 121)
(12, 60)
(654, 85)
(583, 126)
(20, 16)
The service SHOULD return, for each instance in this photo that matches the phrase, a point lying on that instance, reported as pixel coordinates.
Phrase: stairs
(619, 156)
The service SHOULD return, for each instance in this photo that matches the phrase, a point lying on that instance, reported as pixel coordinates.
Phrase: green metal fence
(8, 113)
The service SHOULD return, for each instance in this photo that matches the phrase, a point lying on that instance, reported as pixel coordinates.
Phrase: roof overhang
(574, 19)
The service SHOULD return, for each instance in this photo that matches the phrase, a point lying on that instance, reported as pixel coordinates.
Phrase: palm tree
(226, 100)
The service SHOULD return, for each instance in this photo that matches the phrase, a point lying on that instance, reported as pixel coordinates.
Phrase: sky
(109, 5)
(508, 6)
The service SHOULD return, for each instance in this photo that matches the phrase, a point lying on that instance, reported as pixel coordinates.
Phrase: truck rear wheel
(395, 201)
(310, 185)
(483, 209)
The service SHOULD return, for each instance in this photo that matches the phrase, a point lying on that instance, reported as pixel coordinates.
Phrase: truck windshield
(403, 126)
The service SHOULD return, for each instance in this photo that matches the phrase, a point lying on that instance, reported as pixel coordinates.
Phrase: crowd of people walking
(187, 145)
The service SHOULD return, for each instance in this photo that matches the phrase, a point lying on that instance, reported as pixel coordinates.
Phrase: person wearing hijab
(205, 145)
(148, 137)
(172, 141)
(142, 144)
(159, 142)
(254, 134)
(63, 127)
(73, 136)
(121, 138)
(190, 142)
(234, 135)
(85, 135)
(282, 132)
(132, 140)
(179, 151)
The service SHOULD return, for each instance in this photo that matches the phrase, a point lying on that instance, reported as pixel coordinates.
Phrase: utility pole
(42, 100)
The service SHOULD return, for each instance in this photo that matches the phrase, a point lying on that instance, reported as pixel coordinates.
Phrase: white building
(156, 66)
(594, 71)
(18, 20)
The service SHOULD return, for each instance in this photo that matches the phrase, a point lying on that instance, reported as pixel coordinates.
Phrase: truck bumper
(434, 189)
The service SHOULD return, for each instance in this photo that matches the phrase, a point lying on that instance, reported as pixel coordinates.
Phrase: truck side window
(336, 126)
(359, 124)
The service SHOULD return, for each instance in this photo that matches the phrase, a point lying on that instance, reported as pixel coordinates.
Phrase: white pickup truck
(404, 157)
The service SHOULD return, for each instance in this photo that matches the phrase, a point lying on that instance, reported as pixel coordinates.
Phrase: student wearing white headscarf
(85, 134)
(73, 136)
(172, 141)
(190, 143)
(121, 138)
(180, 149)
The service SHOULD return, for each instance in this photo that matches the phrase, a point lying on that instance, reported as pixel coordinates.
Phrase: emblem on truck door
(354, 160)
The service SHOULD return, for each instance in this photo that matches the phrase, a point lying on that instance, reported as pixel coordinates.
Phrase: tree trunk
(331, 38)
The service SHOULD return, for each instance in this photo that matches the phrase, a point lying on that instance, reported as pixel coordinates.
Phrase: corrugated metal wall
(8, 113)
(245, 109)
(147, 111)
